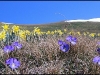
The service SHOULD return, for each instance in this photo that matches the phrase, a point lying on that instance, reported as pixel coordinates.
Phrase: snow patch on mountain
(83, 20)
(6, 23)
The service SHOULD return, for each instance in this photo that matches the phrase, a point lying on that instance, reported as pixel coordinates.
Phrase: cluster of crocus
(63, 46)
(71, 39)
(12, 62)
(9, 48)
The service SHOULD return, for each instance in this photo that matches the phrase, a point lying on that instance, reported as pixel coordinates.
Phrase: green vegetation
(80, 26)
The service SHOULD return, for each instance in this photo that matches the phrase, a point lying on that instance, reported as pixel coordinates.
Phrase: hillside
(80, 26)
(50, 53)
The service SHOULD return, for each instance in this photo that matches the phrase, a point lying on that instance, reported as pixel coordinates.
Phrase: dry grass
(45, 57)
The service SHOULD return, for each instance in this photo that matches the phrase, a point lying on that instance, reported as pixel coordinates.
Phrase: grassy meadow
(38, 50)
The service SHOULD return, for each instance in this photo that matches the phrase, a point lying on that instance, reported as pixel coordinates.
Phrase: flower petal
(65, 47)
(60, 42)
(96, 59)
(69, 38)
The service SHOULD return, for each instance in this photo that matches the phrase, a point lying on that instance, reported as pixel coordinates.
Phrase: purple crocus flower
(60, 42)
(69, 38)
(72, 40)
(8, 48)
(64, 47)
(96, 60)
(17, 44)
(13, 63)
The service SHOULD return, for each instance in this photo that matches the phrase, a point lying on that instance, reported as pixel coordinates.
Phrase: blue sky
(40, 12)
